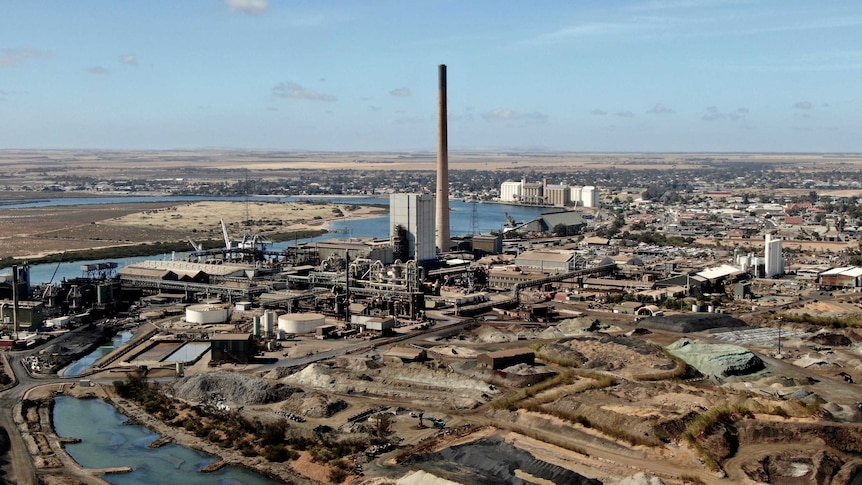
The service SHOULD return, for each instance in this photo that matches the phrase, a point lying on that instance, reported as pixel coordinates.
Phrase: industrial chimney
(442, 216)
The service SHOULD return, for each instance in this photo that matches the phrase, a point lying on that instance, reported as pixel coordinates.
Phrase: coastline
(104, 235)
(66, 470)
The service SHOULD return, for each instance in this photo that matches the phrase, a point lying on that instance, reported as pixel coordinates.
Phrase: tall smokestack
(443, 240)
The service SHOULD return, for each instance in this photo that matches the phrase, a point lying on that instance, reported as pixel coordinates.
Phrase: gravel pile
(692, 322)
(493, 461)
(233, 388)
(716, 360)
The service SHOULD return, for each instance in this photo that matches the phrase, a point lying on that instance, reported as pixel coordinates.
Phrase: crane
(227, 244)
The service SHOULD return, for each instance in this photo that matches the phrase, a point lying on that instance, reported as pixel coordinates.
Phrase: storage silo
(256, 326)
(300, 322)
(104, 294)
(269, 324)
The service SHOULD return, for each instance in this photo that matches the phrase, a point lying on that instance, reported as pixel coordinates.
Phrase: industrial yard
(525, 355)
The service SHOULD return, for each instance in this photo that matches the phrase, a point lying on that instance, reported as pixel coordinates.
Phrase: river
(488, 217)
(107, 442)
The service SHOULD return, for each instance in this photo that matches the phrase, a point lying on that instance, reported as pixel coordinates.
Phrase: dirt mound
(641, 478)
(611, 353)
(233, 388)
(831, 339)
(317, 405)
(492, 461)
(359, 365)
(408, 382)
(717, 360)
(794, 467)
(692, 322)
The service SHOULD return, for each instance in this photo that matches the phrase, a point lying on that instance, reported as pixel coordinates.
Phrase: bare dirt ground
(34, 164)
(39, 231)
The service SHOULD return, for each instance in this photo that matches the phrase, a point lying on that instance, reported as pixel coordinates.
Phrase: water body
(76, 368)
(488, 217)
(107, 442)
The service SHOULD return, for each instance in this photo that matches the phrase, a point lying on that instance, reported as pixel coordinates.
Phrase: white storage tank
(300, 322)
(207, 313)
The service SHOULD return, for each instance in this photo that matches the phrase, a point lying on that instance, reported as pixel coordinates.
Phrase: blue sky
(648, 75)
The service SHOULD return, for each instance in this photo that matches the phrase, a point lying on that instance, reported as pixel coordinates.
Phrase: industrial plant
(594, 339)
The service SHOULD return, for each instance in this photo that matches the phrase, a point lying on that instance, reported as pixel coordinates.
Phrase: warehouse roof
(502, 354)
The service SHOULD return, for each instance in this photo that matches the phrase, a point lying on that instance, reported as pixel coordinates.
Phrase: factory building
(773, 256)
(375, 249)
(572, 222)
(506, 358)
(8, 281)
(31, 314)
(232, 347)
(411, 220)
(845, 277)
(547, 261)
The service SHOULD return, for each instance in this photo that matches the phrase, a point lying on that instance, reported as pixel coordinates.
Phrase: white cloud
(400, 92)
(294, 90)
(509, 115)
(625, 114)
(129, 59)
(659, 109)
(248, 7)
(803, 105)
(98, 70)
(599, 112)
(14, 57)
(715, 114)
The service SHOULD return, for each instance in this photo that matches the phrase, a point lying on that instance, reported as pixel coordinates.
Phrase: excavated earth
(493, 461)
(410, 383)
(619, 354)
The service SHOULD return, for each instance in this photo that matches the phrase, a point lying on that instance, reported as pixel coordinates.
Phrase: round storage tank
(206, 313)
(300, 322)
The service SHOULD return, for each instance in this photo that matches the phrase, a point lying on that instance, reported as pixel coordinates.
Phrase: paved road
(22, 469)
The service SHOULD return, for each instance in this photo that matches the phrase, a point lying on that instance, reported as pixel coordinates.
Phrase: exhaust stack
(442, 216)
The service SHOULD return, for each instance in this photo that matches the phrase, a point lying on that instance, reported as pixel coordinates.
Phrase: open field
(39, 231)
(216, 164)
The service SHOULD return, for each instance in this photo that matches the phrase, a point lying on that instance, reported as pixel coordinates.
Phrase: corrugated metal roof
(719, 272)
(188, 268)
(553, 256)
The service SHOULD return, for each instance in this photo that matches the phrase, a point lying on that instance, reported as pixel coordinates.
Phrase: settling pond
(107, 442)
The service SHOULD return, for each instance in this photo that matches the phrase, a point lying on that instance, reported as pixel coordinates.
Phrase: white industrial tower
(773, 256)
(415, 213)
